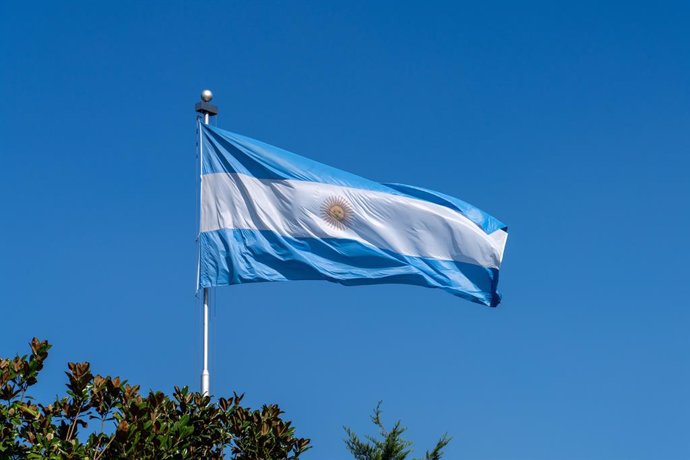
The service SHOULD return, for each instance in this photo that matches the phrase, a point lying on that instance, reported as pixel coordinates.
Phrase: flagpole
(207, 109)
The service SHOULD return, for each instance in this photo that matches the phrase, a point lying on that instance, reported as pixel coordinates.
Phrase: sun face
(337, 212)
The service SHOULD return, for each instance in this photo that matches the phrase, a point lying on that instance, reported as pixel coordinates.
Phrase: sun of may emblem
(337, 212)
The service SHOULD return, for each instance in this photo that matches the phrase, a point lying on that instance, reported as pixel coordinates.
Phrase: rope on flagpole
(197, 198)
(214, 335)
(197, 220)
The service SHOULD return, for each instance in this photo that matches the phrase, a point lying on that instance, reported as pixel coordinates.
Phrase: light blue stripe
(247, 256)
(226, 152)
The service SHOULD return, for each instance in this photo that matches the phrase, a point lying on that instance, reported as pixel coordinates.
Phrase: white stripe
(408, 226)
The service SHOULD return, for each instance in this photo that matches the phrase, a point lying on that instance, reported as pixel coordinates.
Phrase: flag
(271, 215)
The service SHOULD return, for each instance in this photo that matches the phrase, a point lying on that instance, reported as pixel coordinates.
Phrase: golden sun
(337, 212)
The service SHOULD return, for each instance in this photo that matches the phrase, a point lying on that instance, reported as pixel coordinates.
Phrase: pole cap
(206, 95)
(205, 105)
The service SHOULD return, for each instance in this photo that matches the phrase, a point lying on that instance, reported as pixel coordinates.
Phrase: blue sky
(569, 122)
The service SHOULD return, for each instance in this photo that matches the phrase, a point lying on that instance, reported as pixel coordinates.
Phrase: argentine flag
(271, 215)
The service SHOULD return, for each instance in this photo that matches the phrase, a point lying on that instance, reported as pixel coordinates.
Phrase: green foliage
(128, 424)
(390, 445)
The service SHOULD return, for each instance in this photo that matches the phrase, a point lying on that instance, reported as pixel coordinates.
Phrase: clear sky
(569, 122)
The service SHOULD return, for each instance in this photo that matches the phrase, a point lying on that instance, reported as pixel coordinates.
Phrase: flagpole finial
(205, 107)
(206, 95)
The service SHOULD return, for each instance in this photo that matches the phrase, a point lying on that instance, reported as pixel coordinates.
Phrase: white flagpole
(205, 377)
(207, 109)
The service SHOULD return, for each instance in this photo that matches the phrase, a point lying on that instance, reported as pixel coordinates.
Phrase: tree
(390, 445)
(129, 424)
